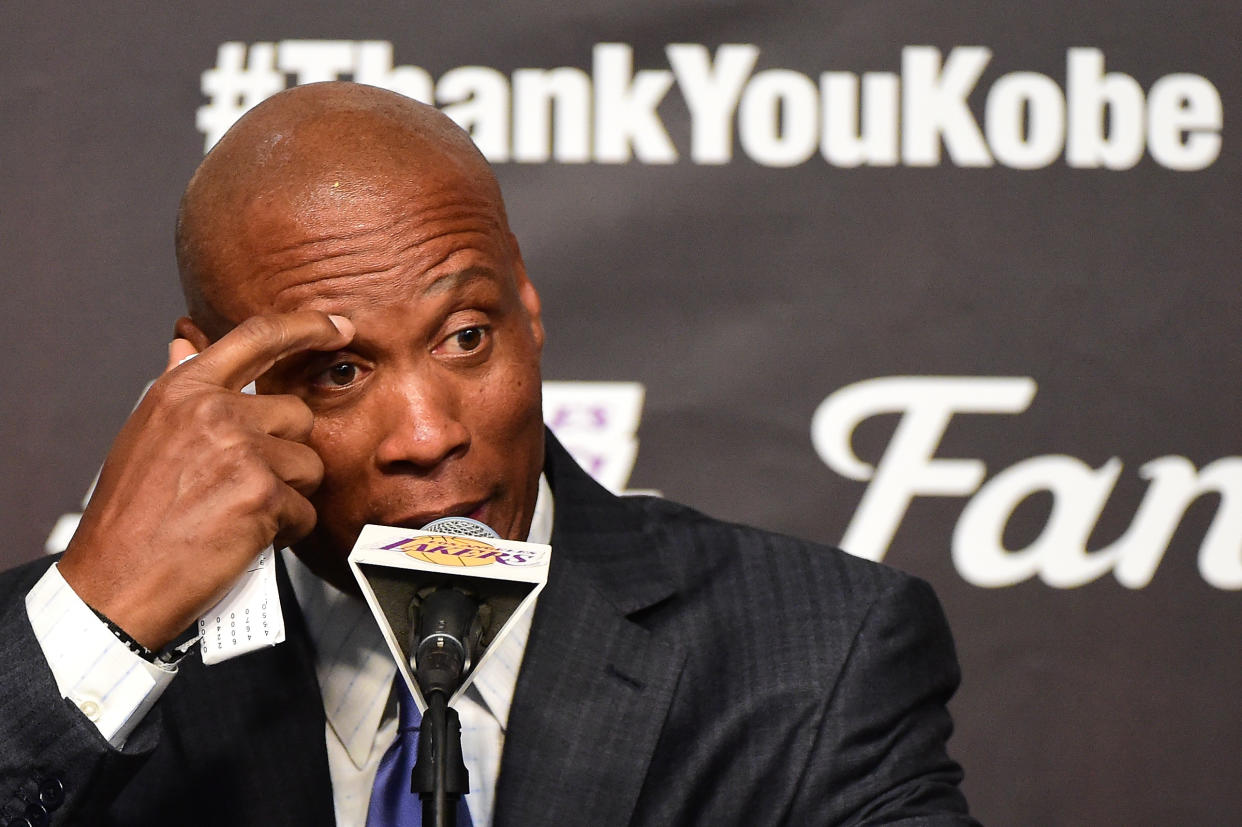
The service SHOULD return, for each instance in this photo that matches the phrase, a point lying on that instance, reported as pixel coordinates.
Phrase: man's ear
(527, 294)
(186, 329)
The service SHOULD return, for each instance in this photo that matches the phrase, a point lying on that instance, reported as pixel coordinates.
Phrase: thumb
(178, 351)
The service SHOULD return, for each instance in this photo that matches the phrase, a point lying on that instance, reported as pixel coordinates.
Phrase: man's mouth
(474, 509)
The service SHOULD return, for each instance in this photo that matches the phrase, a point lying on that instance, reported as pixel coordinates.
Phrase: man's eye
(465, 341)
(468, 339)
(338, 376)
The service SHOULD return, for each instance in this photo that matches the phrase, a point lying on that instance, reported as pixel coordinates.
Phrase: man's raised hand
(200, 479)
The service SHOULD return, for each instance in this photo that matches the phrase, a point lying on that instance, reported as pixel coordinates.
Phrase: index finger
(249, 350)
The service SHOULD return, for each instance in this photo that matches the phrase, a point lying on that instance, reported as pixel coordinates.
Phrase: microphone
(448, 628)
(443, 595)
(442, 645)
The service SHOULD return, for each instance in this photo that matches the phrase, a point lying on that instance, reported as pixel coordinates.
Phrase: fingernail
(343, 324)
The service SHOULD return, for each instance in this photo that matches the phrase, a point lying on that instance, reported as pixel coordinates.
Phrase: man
(348, 249)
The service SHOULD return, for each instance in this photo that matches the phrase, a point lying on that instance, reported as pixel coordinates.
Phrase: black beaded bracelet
(170, 656)
(126, 638)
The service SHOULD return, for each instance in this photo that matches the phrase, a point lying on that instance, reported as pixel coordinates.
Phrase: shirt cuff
(112, 686)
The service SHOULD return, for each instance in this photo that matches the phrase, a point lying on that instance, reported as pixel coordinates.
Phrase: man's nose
(423, 425)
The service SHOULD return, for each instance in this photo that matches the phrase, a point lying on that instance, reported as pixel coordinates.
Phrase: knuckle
(306, 420)
(297, 520)
(303, 518)
(305, 470)
(313, 469)
(263, 331)
(319, 468)
(261, 494)
(212, 409)
(237, 461)
(300, 421)
(160, 393)
(242, 470)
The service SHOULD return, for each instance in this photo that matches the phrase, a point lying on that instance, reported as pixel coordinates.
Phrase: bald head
(313, 150)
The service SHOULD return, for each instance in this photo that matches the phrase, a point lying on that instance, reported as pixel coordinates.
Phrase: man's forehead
(353, 236)
(362, 235)
(338, 178)
(384, 289)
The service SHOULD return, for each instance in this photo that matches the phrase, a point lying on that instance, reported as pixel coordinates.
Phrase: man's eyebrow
(450, 281)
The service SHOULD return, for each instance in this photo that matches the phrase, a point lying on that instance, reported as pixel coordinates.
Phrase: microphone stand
(439, 777)
(442, 643)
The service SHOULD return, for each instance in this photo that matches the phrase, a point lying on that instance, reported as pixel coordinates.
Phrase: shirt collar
(541, 522)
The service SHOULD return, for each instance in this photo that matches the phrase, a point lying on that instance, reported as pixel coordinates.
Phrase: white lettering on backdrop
(1059, 555)
(610, 114)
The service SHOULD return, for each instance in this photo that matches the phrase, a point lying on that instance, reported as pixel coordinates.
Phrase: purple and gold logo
(443, 550)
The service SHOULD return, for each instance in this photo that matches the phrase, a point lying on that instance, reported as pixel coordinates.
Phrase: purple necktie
(392, 803)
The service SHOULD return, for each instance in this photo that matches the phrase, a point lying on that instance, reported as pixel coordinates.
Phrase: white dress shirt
(115, 688)
(112, 686)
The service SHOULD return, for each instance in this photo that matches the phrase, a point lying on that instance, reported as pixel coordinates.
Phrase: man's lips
(474, 509)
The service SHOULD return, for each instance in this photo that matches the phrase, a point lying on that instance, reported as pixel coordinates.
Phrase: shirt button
(90, 709)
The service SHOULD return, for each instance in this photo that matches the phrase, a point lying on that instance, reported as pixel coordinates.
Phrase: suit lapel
(595, 686)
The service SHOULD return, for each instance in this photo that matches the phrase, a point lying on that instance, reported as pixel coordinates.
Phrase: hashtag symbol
(235, 85)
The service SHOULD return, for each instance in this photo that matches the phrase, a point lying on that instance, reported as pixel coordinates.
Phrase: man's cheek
(342, 492)
(342, 449)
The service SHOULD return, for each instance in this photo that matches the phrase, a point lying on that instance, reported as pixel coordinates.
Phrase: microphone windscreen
(462, 526)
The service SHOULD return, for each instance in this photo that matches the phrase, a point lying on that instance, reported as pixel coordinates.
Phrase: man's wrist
(169, 656)
(109, 683)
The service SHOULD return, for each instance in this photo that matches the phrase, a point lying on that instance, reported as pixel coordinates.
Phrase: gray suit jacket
(679, 671)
